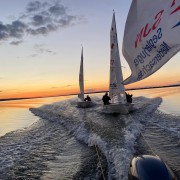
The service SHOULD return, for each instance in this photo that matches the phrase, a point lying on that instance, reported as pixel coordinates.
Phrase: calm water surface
(15, 114)
(170, 98)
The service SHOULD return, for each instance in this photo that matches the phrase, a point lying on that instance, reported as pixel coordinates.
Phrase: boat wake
(113, 134)
(52, 141)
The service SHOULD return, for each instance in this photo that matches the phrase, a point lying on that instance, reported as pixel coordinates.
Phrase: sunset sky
(40, 44)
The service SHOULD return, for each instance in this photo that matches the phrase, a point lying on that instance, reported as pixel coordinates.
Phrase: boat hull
(85, 104)
(119, 108)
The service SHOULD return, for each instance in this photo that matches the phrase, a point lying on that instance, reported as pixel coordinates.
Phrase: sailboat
(117, 93)
(151, 38)
(82, 103)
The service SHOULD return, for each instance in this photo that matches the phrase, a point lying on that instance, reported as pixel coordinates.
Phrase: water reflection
(16, 115)
(170, 96)
(28, 103)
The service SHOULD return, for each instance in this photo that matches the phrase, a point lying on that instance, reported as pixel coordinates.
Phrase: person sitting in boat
(87, 98)
(106, 99)
(129, 97)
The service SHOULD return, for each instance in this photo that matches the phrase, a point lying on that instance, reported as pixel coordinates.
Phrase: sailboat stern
(119, 108)
(85, 104)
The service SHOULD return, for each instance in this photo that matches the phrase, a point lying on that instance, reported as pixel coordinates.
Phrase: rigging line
(100, 162)
(102, 172)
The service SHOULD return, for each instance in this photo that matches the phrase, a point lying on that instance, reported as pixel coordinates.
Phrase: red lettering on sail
(173, 3)
(146, 30)
(139, 37)
(158, 17)
(177, 9)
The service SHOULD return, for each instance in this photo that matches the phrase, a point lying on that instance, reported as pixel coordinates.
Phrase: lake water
(61, 141)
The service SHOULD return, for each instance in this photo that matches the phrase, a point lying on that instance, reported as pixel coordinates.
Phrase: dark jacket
(106, 99)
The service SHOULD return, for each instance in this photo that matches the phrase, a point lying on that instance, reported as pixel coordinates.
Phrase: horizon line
(100, 91)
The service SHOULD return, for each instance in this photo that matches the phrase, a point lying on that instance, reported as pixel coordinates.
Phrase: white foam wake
(118, 150)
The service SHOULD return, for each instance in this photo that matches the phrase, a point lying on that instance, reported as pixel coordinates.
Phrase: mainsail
(151, 36)
(81, 78)
(116, 88)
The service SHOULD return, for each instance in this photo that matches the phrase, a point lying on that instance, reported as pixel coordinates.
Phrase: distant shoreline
(155, 87)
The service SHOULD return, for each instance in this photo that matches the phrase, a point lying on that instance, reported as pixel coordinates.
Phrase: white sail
(81, 78)
(116, 88)
(151, 36)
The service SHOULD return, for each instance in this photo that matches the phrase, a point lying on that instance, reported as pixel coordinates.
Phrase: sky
(41, 42)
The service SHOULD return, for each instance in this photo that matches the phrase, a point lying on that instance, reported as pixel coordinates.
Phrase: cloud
(57, 9)
(5, 90)
(33, 6)
(33, 55)
(39, 48)
(2, 78)
(90, 90)
(39, 18)
(68, 85)
(14, 30)
(16, 42)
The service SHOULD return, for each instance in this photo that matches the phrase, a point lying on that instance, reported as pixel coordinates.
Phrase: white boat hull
(85, 104)
(119, 108)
